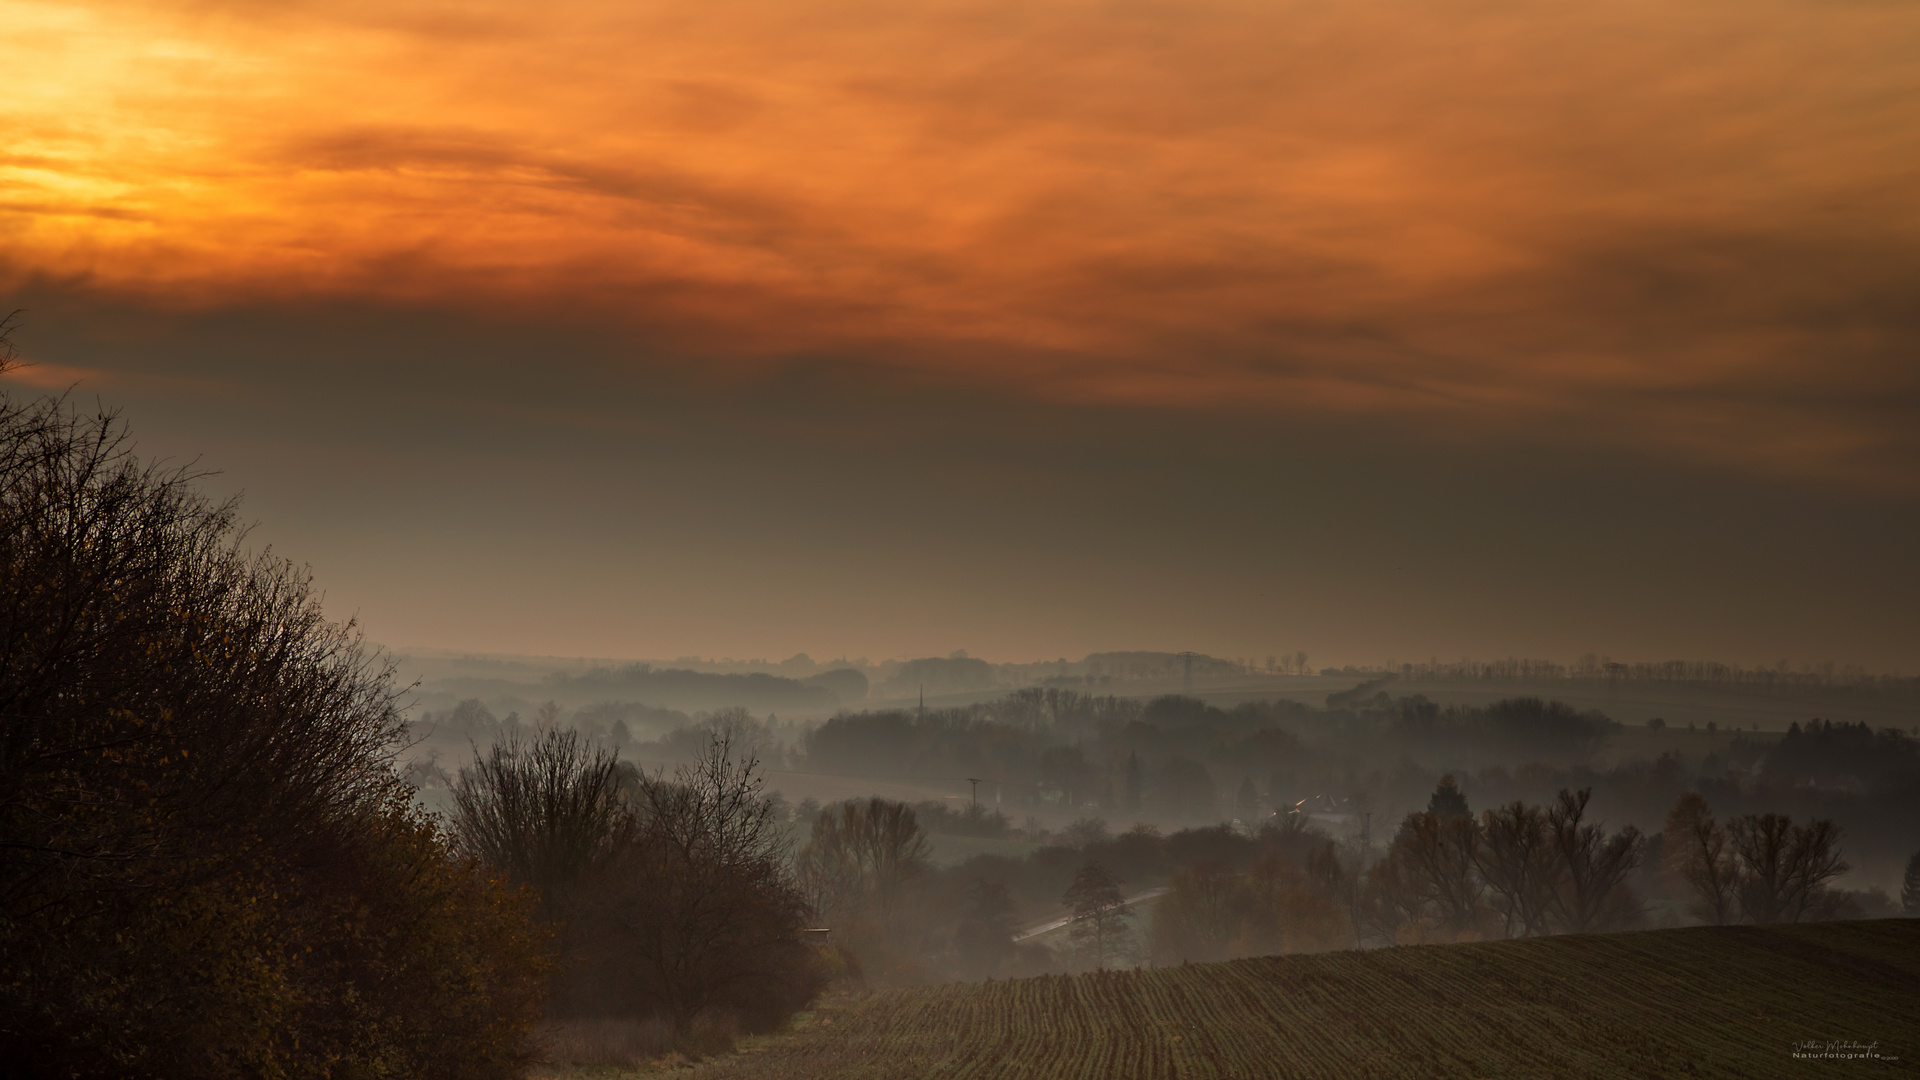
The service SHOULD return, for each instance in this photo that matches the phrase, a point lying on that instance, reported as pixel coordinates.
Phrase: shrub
(671, 899)
(212, 867)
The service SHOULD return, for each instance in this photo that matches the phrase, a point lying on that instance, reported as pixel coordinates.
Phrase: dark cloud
(1187, 318)
(499, 485)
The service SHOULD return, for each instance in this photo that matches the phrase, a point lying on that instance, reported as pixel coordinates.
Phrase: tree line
(1514, 870)
(1851, 680)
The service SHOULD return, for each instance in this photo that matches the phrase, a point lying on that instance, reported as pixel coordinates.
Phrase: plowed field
(1704, 1002)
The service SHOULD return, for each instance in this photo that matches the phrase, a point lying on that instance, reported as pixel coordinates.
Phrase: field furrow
(1703, 1002)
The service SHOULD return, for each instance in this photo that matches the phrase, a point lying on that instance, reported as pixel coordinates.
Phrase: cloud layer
(1630, 224)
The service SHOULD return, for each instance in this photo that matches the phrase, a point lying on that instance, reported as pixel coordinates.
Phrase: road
(1058, 923)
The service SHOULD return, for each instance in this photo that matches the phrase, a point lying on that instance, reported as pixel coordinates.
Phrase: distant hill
(1699, 1002)
(677, 688)
(936, 675)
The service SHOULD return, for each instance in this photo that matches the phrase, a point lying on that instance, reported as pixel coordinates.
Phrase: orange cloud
(1686, 226)
(55, 377)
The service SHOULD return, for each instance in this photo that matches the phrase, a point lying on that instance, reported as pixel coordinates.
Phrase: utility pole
(923, 701)
(976, 793)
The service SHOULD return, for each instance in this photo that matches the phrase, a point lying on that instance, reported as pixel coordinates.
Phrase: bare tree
(546, 810)
(702, 909)
(1760, 843)
(1201, 916)
(748, 735)
(1593, 893)
(9, 351)
(1784, 868)
(1676, 835)
(1387, 901)
(1711, 872)
(1437, 854)
(1521, 866)
(1816, 859)
(1098, 911)
(673, 897)
(860, 859)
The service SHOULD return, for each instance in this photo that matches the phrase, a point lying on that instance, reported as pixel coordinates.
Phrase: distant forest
(1279, 827)
(1781, 675)
(799, 683)
(1046, 757)
(233, 852)
(682, 688)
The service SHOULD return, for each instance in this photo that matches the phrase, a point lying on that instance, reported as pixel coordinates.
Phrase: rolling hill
(1697, 1002)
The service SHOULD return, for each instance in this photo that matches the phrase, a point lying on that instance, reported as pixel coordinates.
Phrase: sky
(1377, 330)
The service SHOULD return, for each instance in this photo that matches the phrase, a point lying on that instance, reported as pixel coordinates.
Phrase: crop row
(1706, 1001)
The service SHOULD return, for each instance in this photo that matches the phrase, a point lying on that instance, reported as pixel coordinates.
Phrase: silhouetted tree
(1390, 901)
(211, 866)
(9, 349)
(1202, 915)
(1521, 867)
(474, 720)
(1100, 917)
(862, 870)
(1447, 801)
(672, 898)
(1827, 752)
(1696, 850)
(1086, 832)
(860, 859)
(1437, 853)
(546, 810)
(1593, 894)
(746, 733)
(1784, 868)
(1281, 903)
(1910, 887)
(701, 912)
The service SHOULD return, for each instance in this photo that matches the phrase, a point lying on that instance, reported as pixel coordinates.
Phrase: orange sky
(1031, 327)
(1629, 223)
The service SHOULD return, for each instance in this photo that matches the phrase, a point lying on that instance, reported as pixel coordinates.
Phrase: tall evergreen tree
(1447, 800)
